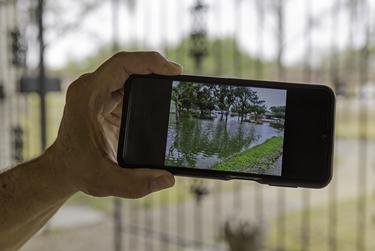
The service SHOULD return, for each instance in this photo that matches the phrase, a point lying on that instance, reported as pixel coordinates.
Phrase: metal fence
(204, 214)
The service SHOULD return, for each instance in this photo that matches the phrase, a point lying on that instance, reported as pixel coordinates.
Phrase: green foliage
(319, 236)
(205, 97)
(225, 97)
(205, 100)
(224, 58)
(245, 100)
(90, 63)
(261, 156)
(278, 111)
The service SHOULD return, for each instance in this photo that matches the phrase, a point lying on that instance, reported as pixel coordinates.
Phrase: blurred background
(45, 45)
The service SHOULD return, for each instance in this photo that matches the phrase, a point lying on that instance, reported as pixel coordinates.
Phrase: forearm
(30, 194)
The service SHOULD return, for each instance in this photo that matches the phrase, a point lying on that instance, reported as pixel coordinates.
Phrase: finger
(111, 131)
(115, 71)
(112, 102)
(135, 183)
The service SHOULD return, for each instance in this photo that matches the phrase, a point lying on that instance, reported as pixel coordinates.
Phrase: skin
(83, 157)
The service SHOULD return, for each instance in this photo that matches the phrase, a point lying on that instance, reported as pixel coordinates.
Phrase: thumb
(134, 183)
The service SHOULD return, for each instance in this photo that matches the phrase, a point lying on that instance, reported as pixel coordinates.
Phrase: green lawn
(261, 156)
(318, 232)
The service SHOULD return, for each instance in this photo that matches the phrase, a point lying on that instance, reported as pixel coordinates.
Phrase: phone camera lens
(324, 138)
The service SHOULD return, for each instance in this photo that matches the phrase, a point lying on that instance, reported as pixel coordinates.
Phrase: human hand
(84, 153)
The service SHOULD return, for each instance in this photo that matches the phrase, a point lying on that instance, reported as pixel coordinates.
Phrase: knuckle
(85, 77)
(72, 90)
(74, 87)
(156, 56)
(120, 54)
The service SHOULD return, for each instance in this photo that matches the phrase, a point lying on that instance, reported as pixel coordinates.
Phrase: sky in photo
(273, 97)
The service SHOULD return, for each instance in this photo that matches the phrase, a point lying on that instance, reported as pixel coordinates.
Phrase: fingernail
(161, 182)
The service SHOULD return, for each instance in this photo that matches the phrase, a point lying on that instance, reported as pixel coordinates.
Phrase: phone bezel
(226, 175)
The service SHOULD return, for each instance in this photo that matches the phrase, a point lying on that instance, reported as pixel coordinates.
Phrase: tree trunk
(177, 112)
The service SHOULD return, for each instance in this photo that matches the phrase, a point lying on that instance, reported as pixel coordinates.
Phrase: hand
(86, 145)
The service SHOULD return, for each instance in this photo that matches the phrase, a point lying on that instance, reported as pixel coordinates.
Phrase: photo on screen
(226, 128)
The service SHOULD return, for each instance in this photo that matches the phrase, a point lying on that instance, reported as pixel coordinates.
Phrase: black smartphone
(271, 132)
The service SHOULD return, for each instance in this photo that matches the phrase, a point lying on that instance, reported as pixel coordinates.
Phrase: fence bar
(198, 51)
(3, 81)
(334, 66)
(237, 70)
(164, 200)
(305, 222)
(42, 77)
(181, 57)
(281, 226)
(117, 202)
(363, 138)
(259, 75)
(350, 59)
(260, 31)
(218, 185)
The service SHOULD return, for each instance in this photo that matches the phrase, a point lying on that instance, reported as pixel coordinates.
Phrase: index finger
(113, 73)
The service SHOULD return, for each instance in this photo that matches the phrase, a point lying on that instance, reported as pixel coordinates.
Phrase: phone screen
(226, 128)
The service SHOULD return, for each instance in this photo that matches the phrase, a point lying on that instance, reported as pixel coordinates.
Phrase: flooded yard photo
(237, 129)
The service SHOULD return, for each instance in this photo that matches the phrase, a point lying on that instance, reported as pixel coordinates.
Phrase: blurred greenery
(318, 231)
(224, 58)
(220, 61)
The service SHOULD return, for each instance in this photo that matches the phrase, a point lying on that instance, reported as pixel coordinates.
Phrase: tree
(225, 97)
(183, 96)
(258, 107)
(205, 100)
(244, 101)
(259, 110)
(188, 97)
(278, 111)
(176, 98)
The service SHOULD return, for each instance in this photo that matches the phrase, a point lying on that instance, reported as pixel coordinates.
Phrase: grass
(261, 156)
(318, 232)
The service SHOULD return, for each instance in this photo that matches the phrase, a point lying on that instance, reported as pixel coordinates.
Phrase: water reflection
(201, 143)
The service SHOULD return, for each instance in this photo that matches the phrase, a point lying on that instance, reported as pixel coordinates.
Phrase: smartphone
(273, 133)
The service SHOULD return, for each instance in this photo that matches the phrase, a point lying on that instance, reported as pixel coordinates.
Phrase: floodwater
(200, 143)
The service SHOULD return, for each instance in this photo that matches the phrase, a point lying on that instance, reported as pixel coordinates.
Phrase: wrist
(57, 172)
